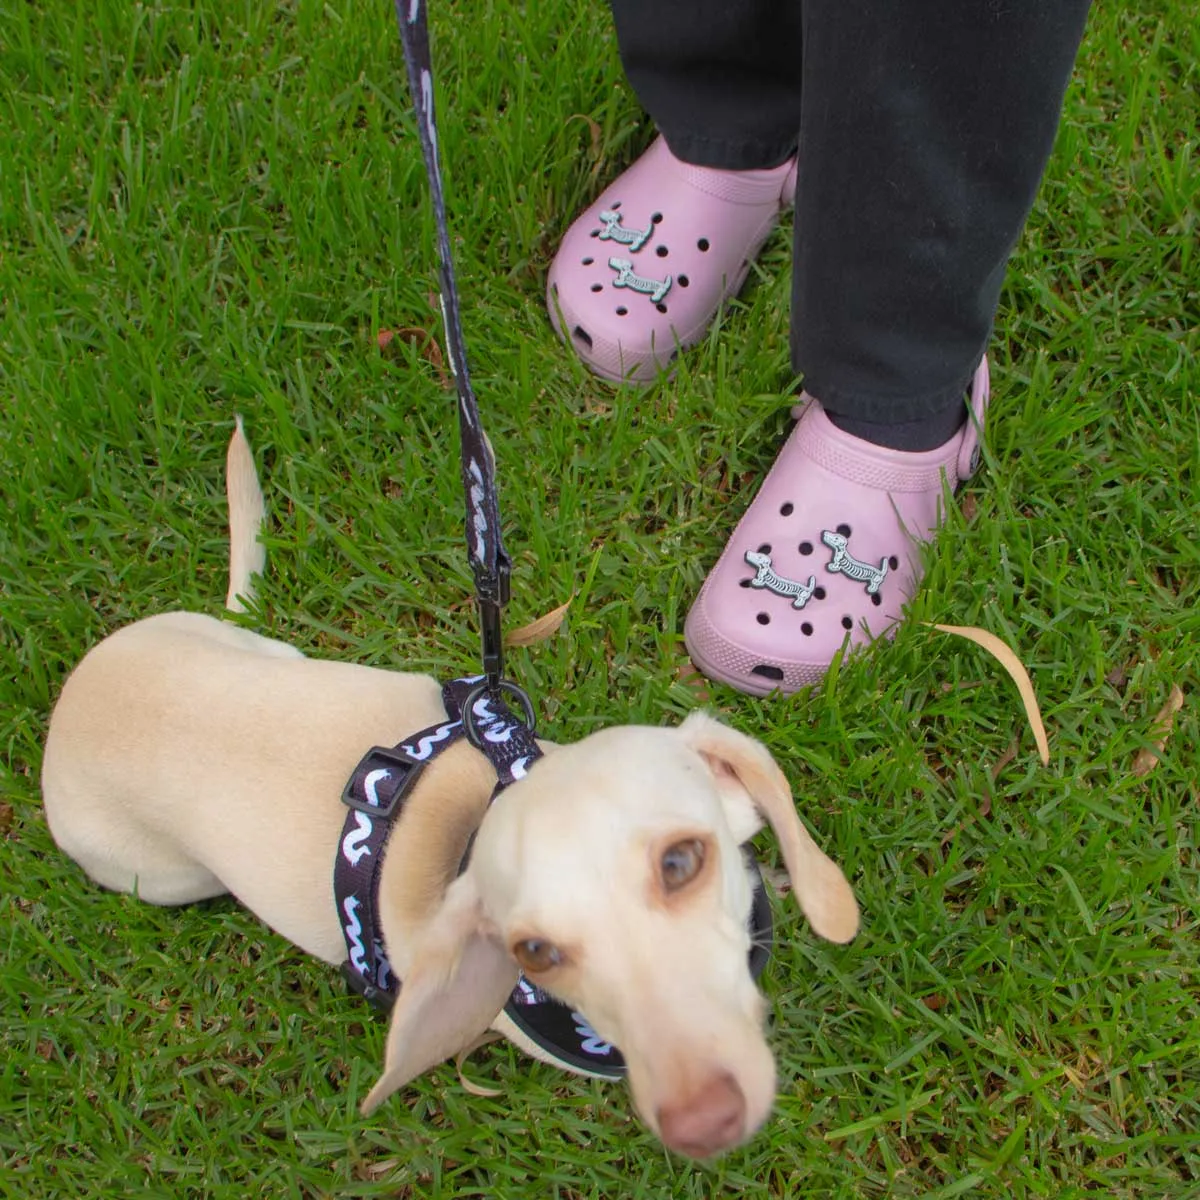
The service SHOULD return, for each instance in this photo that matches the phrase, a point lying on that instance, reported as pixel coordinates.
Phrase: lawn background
(212, 208)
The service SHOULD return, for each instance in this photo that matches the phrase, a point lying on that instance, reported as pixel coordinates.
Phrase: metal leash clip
(492, 590)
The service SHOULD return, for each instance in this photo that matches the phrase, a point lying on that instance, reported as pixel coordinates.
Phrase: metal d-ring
(503, 687)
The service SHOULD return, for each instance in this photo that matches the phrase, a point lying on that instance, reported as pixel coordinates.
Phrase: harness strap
(374, 797)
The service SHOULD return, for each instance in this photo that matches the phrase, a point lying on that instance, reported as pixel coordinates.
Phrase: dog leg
(133, 859)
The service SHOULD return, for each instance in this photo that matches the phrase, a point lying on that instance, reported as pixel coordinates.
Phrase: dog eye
(536, 955)
(681, 863)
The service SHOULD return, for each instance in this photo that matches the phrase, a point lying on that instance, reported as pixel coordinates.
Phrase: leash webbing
(490, 563)
(507, 742)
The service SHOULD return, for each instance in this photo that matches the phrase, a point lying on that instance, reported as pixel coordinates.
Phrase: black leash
(476, 708)
(489, 561)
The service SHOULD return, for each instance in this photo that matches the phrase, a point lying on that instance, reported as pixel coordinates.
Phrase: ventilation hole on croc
(702, 245)
(847, 623)
(682, 280)
(786, 509)
(656, 218)
(587, 262)
(615, 204)
(661, 251)
(594, 233)
(768, 672)
(765, 548)
(819, 593)
(763, 618)
(805, 547)
(806, 629)
(622, 310)
(597, 287)
(894, 563)
(662, 308)
(877, 600)
(844, 530)
(743, 583)
(581, 335)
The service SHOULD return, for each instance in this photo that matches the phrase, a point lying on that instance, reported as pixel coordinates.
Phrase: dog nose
(710, 1120)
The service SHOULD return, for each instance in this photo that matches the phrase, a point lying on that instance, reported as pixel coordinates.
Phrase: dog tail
(247, 557)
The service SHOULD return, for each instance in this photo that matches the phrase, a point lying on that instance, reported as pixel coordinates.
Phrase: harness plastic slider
(379, 999)
(383, 758)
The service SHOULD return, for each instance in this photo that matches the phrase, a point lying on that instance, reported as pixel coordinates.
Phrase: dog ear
(459, 980)
(752, 787)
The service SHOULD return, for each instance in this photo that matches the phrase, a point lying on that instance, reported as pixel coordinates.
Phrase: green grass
(214, 208)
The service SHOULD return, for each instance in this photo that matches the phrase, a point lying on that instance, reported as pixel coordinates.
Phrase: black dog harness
(374, 797)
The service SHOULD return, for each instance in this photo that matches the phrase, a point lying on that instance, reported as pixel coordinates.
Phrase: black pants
(923, 128)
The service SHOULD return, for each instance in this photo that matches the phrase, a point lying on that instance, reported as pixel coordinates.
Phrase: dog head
(612, 875)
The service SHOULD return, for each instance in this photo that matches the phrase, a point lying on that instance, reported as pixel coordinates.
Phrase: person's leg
(924, 132)
(719, 79)
(642, 273)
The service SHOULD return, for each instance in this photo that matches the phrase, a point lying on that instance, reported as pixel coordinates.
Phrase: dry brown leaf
(1006, 758)
(1004, 654)
(985, 805)
(965, 686)
(777, 879)
(428, 348)
(597, 137)
(1118, 677)
(538, 631)
(687, 674)
(476, 1089)
(1076, 1080)
(377, 1170)
(6, 817)
(1164, 722)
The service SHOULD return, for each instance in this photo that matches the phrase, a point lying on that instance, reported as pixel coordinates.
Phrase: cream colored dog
(611, 874)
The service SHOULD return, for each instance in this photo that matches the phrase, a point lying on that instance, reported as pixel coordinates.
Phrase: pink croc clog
(828, 552)
(643, 272)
